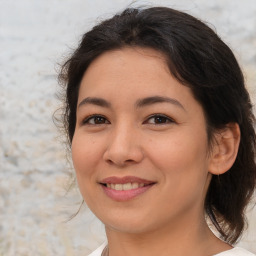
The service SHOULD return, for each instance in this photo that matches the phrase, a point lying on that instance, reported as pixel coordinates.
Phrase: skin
(130, 140)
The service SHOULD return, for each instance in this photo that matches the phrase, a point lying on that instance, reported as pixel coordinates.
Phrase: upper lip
(126, 179)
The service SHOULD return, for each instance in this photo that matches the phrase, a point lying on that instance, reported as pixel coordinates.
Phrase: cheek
(180, 154)
(183, 167)
(84, 155)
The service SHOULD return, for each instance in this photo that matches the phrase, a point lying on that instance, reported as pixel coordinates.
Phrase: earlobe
(225, 149)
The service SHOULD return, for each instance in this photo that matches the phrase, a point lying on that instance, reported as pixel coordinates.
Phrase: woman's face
(140, 147)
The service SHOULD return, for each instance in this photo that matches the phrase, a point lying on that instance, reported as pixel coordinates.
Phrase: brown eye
(159, 119)
(96, 120)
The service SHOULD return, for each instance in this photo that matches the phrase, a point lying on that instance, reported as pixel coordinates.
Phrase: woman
(161, 130)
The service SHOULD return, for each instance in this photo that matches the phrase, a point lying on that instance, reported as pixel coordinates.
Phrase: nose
(124, 147)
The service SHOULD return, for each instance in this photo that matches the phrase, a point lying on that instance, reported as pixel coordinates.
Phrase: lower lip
(125, 195)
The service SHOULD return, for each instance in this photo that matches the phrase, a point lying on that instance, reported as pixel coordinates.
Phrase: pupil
(160, 119)
(99, 120)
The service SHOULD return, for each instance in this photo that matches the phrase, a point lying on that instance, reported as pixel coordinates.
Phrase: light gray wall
(35, 35)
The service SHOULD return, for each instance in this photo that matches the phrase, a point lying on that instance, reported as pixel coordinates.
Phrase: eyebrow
(158, 99)
(95, 101)
(139, 103)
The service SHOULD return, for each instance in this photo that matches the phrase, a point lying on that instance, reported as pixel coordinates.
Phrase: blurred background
(37, 196)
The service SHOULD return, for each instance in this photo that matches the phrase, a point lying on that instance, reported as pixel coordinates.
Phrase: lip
(125, 195)
(126, 179)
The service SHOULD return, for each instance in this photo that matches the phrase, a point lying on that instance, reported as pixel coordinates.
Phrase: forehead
(128, 58)
(136, 51)
(131, 68)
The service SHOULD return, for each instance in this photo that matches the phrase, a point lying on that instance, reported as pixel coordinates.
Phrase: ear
(225, 148)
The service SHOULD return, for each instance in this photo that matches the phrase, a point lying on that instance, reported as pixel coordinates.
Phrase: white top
(236, 251)
(99, 250)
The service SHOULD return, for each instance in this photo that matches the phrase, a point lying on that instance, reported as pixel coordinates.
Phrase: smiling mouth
(125, 186)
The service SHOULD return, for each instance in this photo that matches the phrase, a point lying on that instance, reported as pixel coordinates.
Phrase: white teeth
(126, 186)
(118, 187)
(135, 185)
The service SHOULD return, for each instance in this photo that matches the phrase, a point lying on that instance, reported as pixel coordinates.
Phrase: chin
(128, 228)
(132, 225)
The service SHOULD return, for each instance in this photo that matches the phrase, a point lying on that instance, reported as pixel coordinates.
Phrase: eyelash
(165, 118)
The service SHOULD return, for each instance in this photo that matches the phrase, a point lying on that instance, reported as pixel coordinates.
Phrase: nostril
(110, 161)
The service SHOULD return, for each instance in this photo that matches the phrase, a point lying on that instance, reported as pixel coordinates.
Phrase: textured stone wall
(36, 195)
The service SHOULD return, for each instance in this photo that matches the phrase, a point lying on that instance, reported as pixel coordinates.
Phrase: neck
(179, 239)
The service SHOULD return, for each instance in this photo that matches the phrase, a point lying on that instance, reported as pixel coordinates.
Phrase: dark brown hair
(199, 59)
